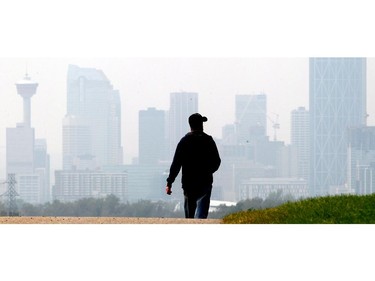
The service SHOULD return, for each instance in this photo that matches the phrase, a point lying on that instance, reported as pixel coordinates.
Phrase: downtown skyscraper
(92, 125)
(251, 117)
(182, 105)
(300, 140)
(91, 139)
(152, 136)
(337, 99)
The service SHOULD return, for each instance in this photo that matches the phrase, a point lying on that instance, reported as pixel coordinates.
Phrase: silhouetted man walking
(197, 155)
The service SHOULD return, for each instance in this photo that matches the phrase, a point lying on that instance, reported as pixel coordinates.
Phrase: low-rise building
(75, 185)
(263, 187)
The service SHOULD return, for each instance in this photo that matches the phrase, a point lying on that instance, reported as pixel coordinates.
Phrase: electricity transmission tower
(10, 196)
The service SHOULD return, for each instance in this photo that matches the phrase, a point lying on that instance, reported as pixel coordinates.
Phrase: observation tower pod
(26, 88)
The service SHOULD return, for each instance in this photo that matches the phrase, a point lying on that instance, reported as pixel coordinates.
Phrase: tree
(111, 206)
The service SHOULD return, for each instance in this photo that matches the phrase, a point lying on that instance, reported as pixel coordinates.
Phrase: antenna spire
(27, 71)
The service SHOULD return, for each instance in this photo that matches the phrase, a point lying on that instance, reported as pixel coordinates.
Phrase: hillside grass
(343, 209)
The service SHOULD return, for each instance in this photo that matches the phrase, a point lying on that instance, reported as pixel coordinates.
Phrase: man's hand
(168, 190)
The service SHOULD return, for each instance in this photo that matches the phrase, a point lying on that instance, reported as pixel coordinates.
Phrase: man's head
(196, 122)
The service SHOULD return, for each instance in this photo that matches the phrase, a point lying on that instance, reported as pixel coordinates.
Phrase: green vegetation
(277, 208)
(343, 209)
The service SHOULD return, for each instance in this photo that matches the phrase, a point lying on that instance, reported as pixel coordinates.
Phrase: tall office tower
(300, 140)
(229, 134)
(76, 141)
(151, 136)
(23, 156)
(337, 103)
(182, 105)
(251, 117)
(92, 99)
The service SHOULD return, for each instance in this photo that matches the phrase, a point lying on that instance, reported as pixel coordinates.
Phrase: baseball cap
(196, 120)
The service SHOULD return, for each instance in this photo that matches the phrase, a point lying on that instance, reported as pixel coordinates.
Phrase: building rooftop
(74, 72)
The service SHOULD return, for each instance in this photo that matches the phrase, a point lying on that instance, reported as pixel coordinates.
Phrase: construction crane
(10, 195)
(275, 125)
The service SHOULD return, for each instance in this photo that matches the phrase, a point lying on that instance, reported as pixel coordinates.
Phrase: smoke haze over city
(147, 82)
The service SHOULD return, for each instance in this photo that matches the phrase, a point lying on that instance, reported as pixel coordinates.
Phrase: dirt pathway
(103, 220)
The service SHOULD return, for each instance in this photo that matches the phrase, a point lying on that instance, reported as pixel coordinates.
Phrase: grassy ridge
(343, 209)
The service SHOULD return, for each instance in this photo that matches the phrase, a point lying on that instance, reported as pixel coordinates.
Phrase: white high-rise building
(92, 100)
(20, 149)
(300, 140)
(91, 139)
(76, 141)
(182, 105)
(151, 136)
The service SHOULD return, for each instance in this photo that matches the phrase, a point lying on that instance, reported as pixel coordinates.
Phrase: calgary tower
(26, 88)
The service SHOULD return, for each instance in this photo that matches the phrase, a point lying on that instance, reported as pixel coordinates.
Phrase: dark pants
(196, 205)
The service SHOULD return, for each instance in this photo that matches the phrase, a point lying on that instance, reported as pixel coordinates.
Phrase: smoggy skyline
(148, 82)
(146, 55)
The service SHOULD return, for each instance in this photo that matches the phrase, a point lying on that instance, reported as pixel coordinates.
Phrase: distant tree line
(273, 200)
(111, 206)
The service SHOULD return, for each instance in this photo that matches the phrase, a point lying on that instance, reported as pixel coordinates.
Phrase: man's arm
(174, 169)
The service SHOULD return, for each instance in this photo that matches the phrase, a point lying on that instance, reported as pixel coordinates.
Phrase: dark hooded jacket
(199, 158)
